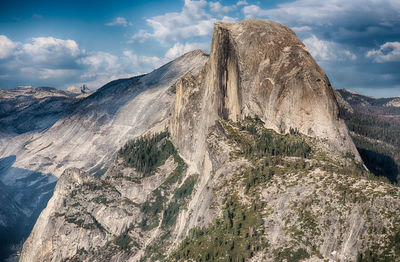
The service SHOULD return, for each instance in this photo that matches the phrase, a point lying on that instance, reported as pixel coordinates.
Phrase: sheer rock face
(258, 67)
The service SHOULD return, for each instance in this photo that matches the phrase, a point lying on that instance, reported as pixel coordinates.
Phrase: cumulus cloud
(51, 52)
(102, 67)
(62, 63)
(194, 20)
(119, 21)
(388, 52)
(179, 49)
(54, 61)
(42, 58)
(171, 27)
(146, 63)
(355, 22)
(7, 47)
(216, 7)
(327, 51)
(98, 62)
(253, 11)
(326, 12)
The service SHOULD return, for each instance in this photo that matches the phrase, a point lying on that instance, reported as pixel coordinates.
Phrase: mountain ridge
(87, 133)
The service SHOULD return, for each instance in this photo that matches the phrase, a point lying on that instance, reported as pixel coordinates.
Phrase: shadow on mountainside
(21, 203)
(380, 164)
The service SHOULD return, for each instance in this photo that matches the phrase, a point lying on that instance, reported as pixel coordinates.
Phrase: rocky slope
(258, 166)
(78, 132)
(295, 204)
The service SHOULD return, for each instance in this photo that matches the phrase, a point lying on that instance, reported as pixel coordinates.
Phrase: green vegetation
(258, 175)
(147, 153)
(379, 253)
(261, 142)
(178, 200)
(235, 237)
(152, 207)
(186, 189)
(267, 150)
(79, 220)
(375, 122)
(102, 199)
(288, 255)
(123, 241)
(381, 159)
(177, 174)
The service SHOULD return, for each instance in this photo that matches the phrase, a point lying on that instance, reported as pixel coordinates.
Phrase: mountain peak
(260, 68)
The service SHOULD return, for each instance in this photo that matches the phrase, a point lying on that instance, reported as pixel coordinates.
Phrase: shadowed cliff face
(258, 68)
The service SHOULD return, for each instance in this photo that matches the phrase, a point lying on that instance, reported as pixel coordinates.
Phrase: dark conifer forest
(375, 129)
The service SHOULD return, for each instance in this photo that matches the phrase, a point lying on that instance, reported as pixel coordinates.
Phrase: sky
(66, 44)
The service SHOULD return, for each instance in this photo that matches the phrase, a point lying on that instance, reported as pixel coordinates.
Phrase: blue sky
(70, 43)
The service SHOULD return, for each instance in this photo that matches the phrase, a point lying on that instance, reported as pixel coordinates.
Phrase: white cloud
(171, 27)
(102, 67)
(51, 51)
(62, 63)
(146, 63)
(42, 58)
(7, 47)
(98, 62)
(216, 7)
(299, 29)
(301, 11)
(327, 51)
(388, 52)
(119, 21)
(179, 49)
(241, 3)
(319, 13)
(254, 11)
(194, 20)
(48, 73)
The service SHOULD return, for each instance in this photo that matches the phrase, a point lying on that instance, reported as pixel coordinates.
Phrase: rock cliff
(257, 166)
(258, 68)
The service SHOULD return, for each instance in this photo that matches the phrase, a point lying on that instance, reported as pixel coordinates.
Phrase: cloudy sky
(70, 43)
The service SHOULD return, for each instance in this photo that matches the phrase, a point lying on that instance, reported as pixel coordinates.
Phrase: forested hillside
(375, 128)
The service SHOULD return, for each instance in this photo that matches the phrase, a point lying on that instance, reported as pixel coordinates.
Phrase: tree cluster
(147, 153)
